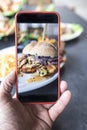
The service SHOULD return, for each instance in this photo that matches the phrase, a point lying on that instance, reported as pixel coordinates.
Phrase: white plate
(24, 86)
(29, 86)
(77, 28)
(8, 50)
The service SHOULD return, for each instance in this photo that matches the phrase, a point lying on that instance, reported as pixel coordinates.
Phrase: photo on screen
(37, 46)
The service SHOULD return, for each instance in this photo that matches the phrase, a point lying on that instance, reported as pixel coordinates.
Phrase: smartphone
(37, 38)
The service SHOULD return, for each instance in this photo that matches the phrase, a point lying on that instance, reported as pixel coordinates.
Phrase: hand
(16, 116)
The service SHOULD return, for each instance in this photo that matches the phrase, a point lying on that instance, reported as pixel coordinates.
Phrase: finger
(7, 84)
(60, 105)
(47, 106)
(63, 86)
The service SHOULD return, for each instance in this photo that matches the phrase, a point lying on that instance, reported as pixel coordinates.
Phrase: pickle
(42, 71)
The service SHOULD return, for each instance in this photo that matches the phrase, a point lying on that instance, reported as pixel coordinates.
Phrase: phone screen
(37, 43)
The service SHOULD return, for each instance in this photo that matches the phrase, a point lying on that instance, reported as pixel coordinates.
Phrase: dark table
(74, 72)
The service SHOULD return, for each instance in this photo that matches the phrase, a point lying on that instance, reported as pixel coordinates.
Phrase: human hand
(17, 116)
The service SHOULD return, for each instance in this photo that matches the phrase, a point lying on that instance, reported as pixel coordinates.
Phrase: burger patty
(44, 60)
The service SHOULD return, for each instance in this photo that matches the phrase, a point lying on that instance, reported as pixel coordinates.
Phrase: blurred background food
(7, 26)
(70, 31)
(8, 9)
(35, 2)
(7, 64)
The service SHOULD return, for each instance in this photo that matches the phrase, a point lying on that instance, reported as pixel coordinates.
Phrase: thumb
(7, 84)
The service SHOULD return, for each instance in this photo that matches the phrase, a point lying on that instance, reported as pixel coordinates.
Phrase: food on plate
(7, 26)
(9, 7)
(65, 29)
(7, 64)
(31, 33)
(22, 37)
(50, 7)
(36, 35)
(46, 39)
(69, 31)
(36, 78)
(39, 57)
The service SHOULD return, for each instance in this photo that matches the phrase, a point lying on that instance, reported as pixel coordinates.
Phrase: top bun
(40, 49)
(29, 47)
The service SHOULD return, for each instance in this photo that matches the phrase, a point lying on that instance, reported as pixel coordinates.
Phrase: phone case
(58, 53)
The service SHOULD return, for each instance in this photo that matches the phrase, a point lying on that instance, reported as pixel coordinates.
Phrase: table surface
(74, 72)
(74, 116)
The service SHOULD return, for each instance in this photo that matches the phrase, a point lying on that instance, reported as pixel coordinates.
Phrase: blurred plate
(77, 31)
(8, 50)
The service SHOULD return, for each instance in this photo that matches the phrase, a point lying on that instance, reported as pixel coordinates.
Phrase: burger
(39, 57)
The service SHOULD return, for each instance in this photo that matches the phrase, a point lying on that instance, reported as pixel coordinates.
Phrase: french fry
(7, 64)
